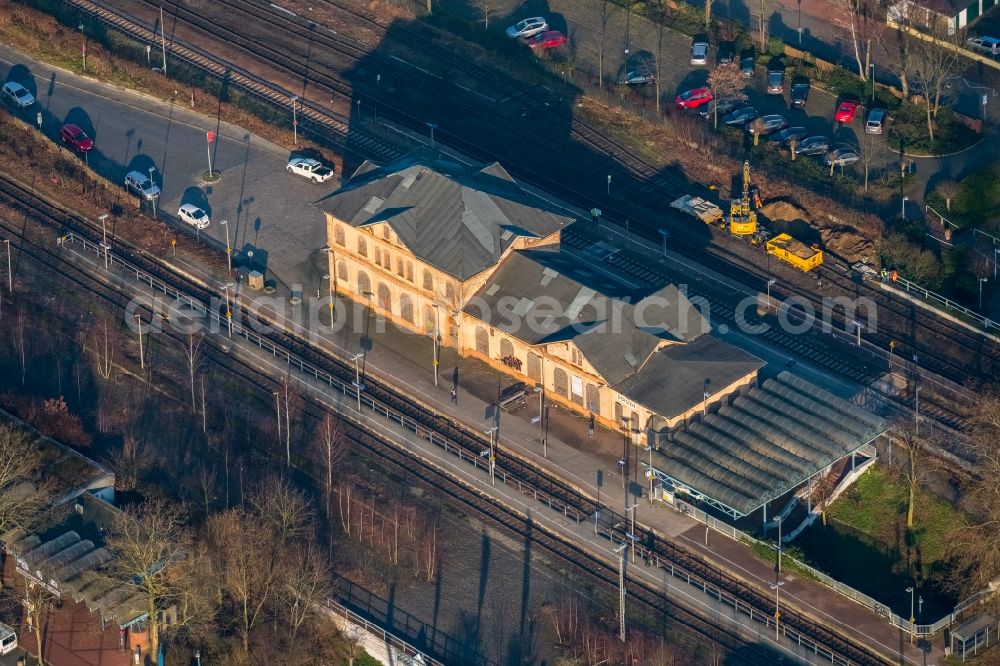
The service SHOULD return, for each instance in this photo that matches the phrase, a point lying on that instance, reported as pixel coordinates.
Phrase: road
(269, 210)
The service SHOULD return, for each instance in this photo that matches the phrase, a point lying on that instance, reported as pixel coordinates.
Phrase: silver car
(529, 27)
(139, 183)
(18, 94)
(699, 53)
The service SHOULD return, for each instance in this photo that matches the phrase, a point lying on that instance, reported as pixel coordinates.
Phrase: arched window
(449, 290)
(593, 399)
(384, 298)
(364, 284)
(409, 271)
(386, 233)
(399, 267)
(338, 234)
(619, 414)
(428, 280)
(377, 254)
(506, 348)
(535, 366)
(429, 320)
(342, 270)
(362, 246)
(560, 382)
(406, 308)
(634, 421)
(482, 341)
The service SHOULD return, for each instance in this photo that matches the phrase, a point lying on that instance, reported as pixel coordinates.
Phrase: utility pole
(621, 591)
(163, 40)
(152, 181)
(142, 359)
(540, 390)
(295, 122)
(913, 618)
(104, 233)
(492, 432)
(916, 410)
(229, 248)
(777, 609)
(357, 378)
(229, 313)
(10, 272)
(436, 346)
(631, 533)
(277, 407)
(778, 520)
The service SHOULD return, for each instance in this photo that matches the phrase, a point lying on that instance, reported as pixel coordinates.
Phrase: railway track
(455, 439)
(927, 336)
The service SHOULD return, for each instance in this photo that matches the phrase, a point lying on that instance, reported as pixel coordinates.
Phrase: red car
(845, 112)
(76, 137)
(546, 40)
(692, 99)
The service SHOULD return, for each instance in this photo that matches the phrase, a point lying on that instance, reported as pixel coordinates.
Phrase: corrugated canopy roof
(457, 218)
(766, 443)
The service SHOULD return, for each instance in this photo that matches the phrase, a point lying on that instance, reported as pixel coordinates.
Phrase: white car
(699, 53)
(194, 216)
(18, 94)
(529, 27)
(309, 168)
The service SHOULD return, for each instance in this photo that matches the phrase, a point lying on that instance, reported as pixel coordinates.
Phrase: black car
(785, 136)
(800, 92)
(740, 116)
(842, 156)
(726, 54)
(813, 145)
(775, 82)
(748, 64)
(722, 106)
(767, 125)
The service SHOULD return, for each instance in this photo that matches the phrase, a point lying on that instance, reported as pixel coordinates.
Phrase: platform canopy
(765, 443)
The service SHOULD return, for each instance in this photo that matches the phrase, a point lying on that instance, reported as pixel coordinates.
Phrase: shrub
(846, 84)
(912, 261)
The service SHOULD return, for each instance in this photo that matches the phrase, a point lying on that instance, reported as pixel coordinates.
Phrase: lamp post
(903, 207)
(871, 66)
(621, 591)
(913, 618)
(332, 283)
(104, 233)
(770, 281)
(153, 181)
(704, 397)
(631, 532)
(432, 127)
(142, 358)
(857, 330)
(163, 47)
(981, 281)
(229, 313)
(916, 410)
(295, 121)
(540, 390)
(84, 46)
(197, 656)
(609, 184)
(777, 519)
(492, 433)
(623, 462)
(229, 248)
(10, 272)
(357, 377)
(777, 609)
(665, 234)
(436, 346)
(277, 408)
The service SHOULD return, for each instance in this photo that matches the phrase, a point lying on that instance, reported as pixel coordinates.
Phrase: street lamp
(540, 390)
(432, 127)
(84, 46)
(665, 234)
(229, 313)
(357, 377)
(153, 182)
(621, 591)
(142, 359)
(436, 346)
(913, 618)
(229, 248)
(197, 656)
(104, 233)
(770, 281)
(704, 397)
(871, 66)
(631, 533)
(295, 120)
(981, 281)
(609, 184)
(857, 329)
(777, 608)
(492, 433)
(778, 520)
(916, 410)
(903, 207)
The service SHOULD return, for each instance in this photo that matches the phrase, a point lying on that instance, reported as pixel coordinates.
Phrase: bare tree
(101, 341)
(129, 461)
(353, 641)
(283, 508)
(948, 189)
(308, 582)
(896, 47)
(601, 43)
(708, 13)
(726, 81)
(486, 8)
(857, 18)
(912, 465)
(932, 65)
(149, 544)
(21, 344)
(760, 9)
(871, 151)
(657, 12)
(192, 357)
(39, 603)
(333, 445)
(23, 491)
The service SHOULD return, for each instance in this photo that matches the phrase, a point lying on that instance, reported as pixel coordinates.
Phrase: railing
(948, 304)
(944, 220)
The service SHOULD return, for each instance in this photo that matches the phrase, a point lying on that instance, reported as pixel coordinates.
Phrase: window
(362, 246)
(560, 381)
(635, 421)
(619, 414)
(406, 308)
(399, 266)
(386, 233)
(430, 322)
(378, 256)
(575, 354)
(506, 348)
(364, 284)
(338, 234)
(428, 280)
(409, 271)
(384, 299)
(535, 366)
(576, 390)
(593, 399)
(482, 341)
(342, 270)
(449, 290)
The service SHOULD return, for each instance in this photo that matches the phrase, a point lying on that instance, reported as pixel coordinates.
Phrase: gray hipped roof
(767, 442)
(457, 218)
(544, 295)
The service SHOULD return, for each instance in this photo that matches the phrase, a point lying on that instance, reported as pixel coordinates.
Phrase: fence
(937, 299)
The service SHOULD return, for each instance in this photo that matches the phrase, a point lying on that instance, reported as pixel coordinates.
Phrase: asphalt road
(269, 210)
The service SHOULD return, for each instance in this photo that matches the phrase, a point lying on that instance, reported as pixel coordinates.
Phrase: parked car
(800, 92)
(841, 156)
(139, 183)
(876, 121)
(720, 106)
(637, 77)
(75, 138)
(767, 124)
(813, 145)
(699, 52)
(310, 168)
(726, 54)
(845, 111)
(194, 216)
(775, 81)
(988, 45)
(785, 136)
(18, 94)
(740, 116)
(748, 64)
(692, 99)
(546, 40)
(529, 27)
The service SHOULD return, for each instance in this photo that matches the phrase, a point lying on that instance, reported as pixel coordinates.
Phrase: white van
(8, 639)
(876, 121)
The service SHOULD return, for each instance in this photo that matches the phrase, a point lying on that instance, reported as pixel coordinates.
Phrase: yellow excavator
(742, 218)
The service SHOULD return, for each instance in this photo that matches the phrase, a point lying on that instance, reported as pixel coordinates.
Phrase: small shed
(970, 637)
